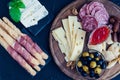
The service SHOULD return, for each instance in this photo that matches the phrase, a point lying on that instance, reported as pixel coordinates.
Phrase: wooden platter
(57, 54)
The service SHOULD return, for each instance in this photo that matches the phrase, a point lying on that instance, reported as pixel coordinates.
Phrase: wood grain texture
(59, 57)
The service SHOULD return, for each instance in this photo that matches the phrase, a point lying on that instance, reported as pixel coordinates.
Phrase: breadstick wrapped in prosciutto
(22, 41)
(17, 57)
(26, 37)
(18, 48)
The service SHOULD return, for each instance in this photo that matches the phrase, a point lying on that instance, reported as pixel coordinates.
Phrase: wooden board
(59, 57)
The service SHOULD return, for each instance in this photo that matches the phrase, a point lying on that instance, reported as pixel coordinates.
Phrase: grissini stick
(16, 46)
(26, 37)
(22, 41)
(17, 57)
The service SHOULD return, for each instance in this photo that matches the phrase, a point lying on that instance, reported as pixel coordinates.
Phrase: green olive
(79, 64)
(97, 59)
(91, 55)
(85, 54)
(85, 68)
(98, 70)
(98, 66)
(93, 64)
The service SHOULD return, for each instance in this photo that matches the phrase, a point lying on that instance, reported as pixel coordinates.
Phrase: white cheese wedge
(109, 56)
(109, 40)
(99, 47)
(115, 48)
(79, 44)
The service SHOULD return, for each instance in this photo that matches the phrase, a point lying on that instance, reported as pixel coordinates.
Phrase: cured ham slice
(17, 57)
(23, 42)
(26, 37)
(36, 47)
(21, 50)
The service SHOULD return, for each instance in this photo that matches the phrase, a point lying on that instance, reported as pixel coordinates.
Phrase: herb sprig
(14, 9)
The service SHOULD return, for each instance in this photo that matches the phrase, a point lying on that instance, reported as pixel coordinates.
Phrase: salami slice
(92, 5)
(96, 9)
(83, 12)
(102, 17)
(89, 23)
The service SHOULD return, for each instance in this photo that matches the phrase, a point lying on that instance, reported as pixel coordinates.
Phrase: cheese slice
(67, 31)
(77, 25)
(59, 35)
(79, 44)
(71, 20)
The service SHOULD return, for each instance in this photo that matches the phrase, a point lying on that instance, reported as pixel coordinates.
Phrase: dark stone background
(10, 70)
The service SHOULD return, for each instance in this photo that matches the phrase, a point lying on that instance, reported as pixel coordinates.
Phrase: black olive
(103, 66)
(92, 75)
(88, 58)
(91, 70)
(80, 69)
(85, 62)
(96, 54)
(99, 63)
(81, 59)
(97, 76)
(83, 73)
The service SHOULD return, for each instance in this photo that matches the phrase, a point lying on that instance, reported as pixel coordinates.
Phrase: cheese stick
(17, 57)
(23, 42)
(21, 50)
(26, 37)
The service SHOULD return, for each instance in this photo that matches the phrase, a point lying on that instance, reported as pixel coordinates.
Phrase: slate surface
(10, 70)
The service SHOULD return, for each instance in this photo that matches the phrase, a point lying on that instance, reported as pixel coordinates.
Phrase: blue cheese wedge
(33, 12)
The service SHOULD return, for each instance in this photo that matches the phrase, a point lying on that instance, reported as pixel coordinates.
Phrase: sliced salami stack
(93, 15)
(21, 47)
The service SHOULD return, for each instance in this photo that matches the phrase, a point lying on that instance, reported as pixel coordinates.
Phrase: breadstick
(17, 57)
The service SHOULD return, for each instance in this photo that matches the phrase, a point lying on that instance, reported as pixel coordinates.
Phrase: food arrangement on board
(89, 28)
(89, 38)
